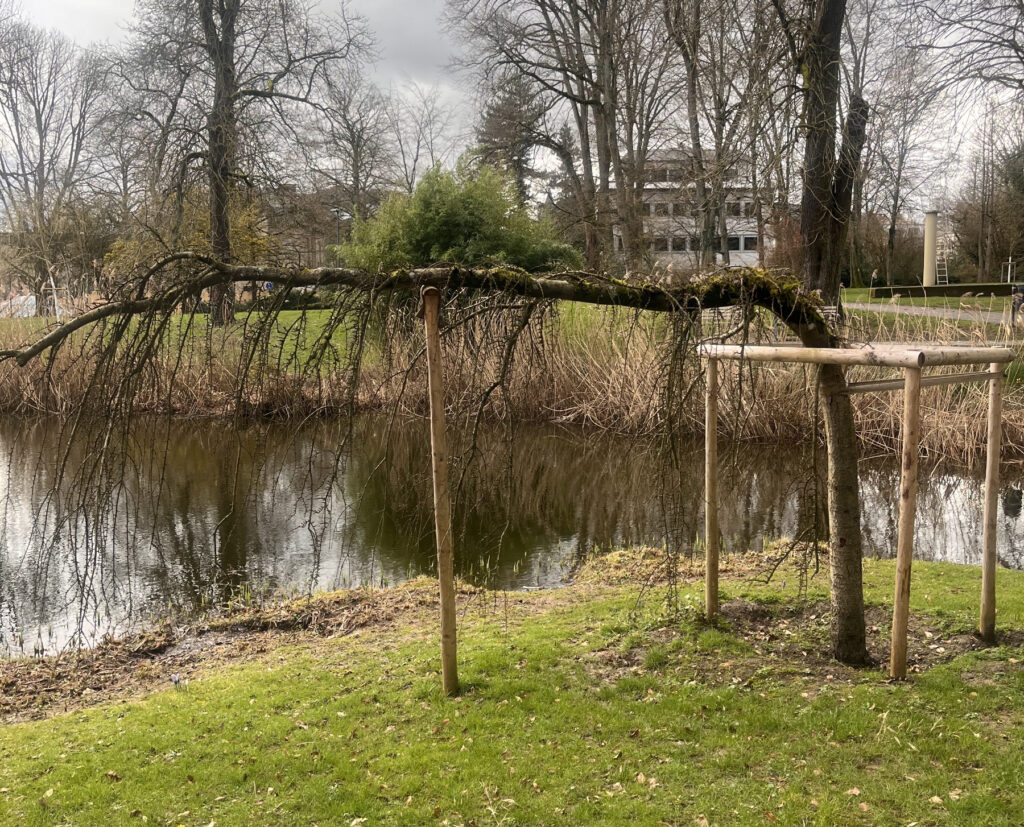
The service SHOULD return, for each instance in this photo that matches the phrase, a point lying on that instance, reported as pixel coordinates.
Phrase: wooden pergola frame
(913, 359)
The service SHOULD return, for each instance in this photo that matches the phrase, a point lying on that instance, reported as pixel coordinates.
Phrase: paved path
(962, 314)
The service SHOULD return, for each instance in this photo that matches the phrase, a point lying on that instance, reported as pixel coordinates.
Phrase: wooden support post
(711, 536)
(908, 506)
(431, 300)
(987, 624)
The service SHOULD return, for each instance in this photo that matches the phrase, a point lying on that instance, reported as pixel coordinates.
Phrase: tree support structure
(912, 359)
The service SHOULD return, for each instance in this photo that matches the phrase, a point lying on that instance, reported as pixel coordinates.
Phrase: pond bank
(579, 706)
(201, 517)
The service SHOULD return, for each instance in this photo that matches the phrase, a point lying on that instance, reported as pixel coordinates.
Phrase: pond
(184, 516)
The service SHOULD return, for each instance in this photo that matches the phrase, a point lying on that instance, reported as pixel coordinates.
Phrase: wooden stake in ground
(711, 538)
(431, 301)
(987, 624)
(908, 506)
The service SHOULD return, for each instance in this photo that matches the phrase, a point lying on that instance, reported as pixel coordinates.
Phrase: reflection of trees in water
(949, 517)
(193, 514)
(548, 489)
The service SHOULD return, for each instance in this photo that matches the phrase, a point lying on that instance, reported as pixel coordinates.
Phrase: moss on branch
(779, 292)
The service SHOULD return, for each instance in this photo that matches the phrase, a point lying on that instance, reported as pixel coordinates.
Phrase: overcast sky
(409, 34)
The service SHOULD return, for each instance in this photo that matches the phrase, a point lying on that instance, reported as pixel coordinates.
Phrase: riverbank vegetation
(601, 367)
(590, 704)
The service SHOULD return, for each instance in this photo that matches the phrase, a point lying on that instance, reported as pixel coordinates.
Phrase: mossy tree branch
(779, 292)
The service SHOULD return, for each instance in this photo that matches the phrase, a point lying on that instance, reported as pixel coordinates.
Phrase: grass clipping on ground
(582, 706)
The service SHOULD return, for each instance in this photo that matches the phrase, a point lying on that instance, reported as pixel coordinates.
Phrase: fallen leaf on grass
(113, 776)
(935, 799)
(864, 806)
(853, 791)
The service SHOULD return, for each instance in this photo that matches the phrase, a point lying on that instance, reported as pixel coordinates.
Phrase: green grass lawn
(581, 707)
(996, 304)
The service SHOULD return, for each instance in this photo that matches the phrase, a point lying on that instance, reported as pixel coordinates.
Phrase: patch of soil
(38, 688)
(791, 641)
(650, 566)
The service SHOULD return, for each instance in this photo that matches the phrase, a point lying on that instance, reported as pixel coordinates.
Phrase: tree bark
(222, 127)
(825, 215)
(848, 634)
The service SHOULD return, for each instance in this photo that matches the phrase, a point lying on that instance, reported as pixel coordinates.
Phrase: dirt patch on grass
(115, 669)
(645, 566)
(801, 634)
(757, 642)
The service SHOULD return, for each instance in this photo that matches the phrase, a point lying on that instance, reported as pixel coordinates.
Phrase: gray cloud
(412, 42)
(85, 21)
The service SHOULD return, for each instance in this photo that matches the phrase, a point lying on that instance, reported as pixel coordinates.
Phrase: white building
(670, 216)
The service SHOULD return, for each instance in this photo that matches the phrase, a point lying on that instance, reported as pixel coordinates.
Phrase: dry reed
(607, 369)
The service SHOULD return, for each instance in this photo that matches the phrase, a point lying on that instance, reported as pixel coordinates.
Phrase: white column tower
(931, 223)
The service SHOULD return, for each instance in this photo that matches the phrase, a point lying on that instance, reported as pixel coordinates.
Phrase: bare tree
(980, 39)
(988, 215)
(423, 129)
(902, 154)
(722, 75)
(48, 91)
(359, 147)
(255, 70)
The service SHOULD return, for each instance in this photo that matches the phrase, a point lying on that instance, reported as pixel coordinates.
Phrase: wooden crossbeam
(908, 356)
(878, 385)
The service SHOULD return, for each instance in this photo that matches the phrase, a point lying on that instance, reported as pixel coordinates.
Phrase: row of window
(682, 244)
(679, 209)
(676, 173)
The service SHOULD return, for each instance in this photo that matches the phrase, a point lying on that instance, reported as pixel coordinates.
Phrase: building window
(675, 174)
(734, 209)
(748, 209)
(695, 243)
(661, 245)
(678, 244)
(750, 242)
(661, 208)
(734, 242)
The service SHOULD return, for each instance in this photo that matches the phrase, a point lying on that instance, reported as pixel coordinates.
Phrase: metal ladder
(1008, 271)
(941, 266)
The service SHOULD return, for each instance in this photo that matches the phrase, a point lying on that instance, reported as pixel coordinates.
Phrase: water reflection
(190, 515)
